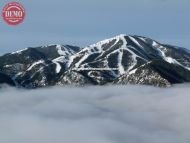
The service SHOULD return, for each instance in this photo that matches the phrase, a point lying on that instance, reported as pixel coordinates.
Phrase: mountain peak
(105, 41)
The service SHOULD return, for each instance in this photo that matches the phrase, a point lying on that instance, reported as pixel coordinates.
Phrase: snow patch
(15, 76)
(60, 51)
(134, 56)
(34, 64)
(19, 51)
(120, 57)
(7, 66)
(81, 60)
(58, 67)
(154, 44)
(61, 59)
(136, 42)
(133, 71)
(170, 60)
(99, 44)
(143, 39)
(63, 51)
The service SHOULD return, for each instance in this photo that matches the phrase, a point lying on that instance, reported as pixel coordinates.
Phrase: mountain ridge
(123, 59)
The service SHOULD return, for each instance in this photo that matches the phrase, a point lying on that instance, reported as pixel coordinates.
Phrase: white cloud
(113, 114)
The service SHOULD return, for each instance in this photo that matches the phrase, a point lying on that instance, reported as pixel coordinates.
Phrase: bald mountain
(119, 60)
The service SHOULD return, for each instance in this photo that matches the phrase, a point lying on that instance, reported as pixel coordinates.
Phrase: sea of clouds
(111, 114)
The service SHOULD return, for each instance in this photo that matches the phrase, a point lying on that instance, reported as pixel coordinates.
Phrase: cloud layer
(113, 114)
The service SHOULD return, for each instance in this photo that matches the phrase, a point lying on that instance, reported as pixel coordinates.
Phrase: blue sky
(84, 22)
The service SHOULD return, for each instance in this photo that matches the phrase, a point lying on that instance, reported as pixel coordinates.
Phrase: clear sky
(83, 22)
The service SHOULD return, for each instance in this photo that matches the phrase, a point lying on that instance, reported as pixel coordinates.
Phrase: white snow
(34, 64)
(117, 38)
(81, 60)
(143, 39)
(133, 71)
(63, 51)
(120, 67)
(136, 42)
(61, 59)
(15, 76)
(99, 44)
(7, 66)
(154, 44)
(70, 61)
(90, 50)
(56, 61)
(134, 56)
(120, 57)
(58, 67)
(170, 59)
(40, 70)
(19, 51)
(167, 59)
(60, 51)
(48, 45)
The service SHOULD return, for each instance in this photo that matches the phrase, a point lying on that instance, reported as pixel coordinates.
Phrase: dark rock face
(119, 60)
(4, 79)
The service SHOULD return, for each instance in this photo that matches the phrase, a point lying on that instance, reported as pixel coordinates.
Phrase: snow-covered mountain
(119, 60)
